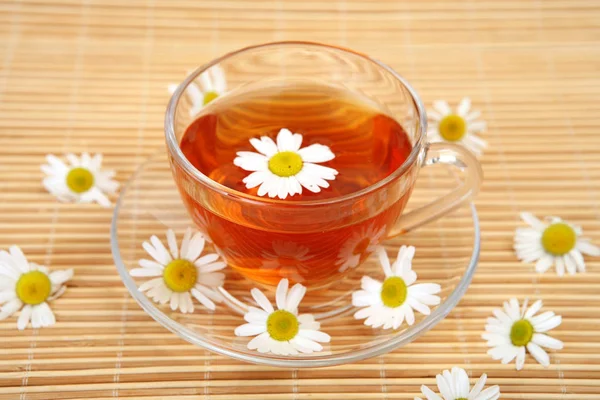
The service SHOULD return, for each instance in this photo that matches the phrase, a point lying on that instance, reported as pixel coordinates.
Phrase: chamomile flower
(390, 302)
(555, 243)
(359, 246)
(212, 85)
(515, 329)
(179, 274)
(460, 126)
(282, 169)
(81, 180)
(29, 287)
(454, 385)
(282, 331)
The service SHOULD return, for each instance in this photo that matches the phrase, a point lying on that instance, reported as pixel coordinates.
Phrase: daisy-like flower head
(553, 243)
(282, 331)
(457, 127)
(212, 85)
(282, 169)
(29, 287)
(390, 302)
(81, 180)
(181, 273)
(289, 258)
(359, 246)
(513, 330)
(455, 386)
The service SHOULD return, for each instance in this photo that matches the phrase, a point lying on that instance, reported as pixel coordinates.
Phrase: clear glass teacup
(314, 242)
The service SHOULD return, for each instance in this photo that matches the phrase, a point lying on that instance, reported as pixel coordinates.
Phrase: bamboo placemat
(92, 76)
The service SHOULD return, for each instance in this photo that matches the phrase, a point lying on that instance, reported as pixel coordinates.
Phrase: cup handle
(455, 156)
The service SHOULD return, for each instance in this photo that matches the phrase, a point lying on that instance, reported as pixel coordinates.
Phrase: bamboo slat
(92, 76)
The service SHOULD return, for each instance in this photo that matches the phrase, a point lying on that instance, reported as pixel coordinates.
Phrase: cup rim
(179, 158)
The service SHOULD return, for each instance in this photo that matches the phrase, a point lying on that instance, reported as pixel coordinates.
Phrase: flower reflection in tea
(288, 258)
(360, 245)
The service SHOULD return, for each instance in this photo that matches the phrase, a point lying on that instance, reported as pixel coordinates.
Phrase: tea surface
(368, 145)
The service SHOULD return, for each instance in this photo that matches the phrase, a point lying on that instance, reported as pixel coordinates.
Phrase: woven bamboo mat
(92, 76)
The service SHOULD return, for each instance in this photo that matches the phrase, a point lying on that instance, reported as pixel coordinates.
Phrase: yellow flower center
(282, 325)
(361, 246)
(285, 163)
(210, 96)
(180, 275)
(80, 180)
(521, 332)
(453, 127)
(559, 239)
(393, 292)
(462, 398)
(33, 287)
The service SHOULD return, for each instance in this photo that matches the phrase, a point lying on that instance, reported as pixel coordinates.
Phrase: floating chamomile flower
(81, 181)
(454, 385)
(29, 287)
(359, 246)
(513, 330)
(212, 85)
(282, 331)
(390, 302)
(282, 169)
(456, 127)
(181, 273)
(554, 243)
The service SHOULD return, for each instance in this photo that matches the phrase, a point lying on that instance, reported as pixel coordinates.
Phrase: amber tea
(366, 144)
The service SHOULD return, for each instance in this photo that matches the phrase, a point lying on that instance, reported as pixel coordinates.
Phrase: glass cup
(313, 242)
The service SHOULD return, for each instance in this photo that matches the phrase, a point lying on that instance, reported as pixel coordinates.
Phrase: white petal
(442, 107)
(535, 307)
(560, 266)
(256, 315)
(548, 325)
(285, 140)
(19, 258)
(539, 354)
(491, 393)
(319, 171)
(174, 301)
(151, 284)
(408, 314)
(315, 335)
(520, 358)
(250, 161)
(210, 292)
(316, 153)
(429, 393)
(512, 309)
(24, 317)
(257, 178)
(578, 258)
(463, 107)
(172, 241)
(144, 272)
(418, 306)
(295, 296)
(370, 285)
(7, 295)
(195, 247)
(588, 248)
(251, 329)
(206, 259)
(262, 300)
(533, 221)
(261, 343)
(219, 81)
(150, 264)
(478, 387)
(473, 115)
(384, 261)
(185, 241)
(281, 293)
(569, 264)
(305, 343)
(61, 276)
(546, 341)
(462, 382)
(212, 267)
(10, 308)
(206, 82)
(362, 298)
(544, 263)
(42, 316)
(444, 383)
(205, 301)
(162, 257)
(264, 145)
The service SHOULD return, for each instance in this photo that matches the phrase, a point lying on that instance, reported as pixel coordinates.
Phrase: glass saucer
(447, 251)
